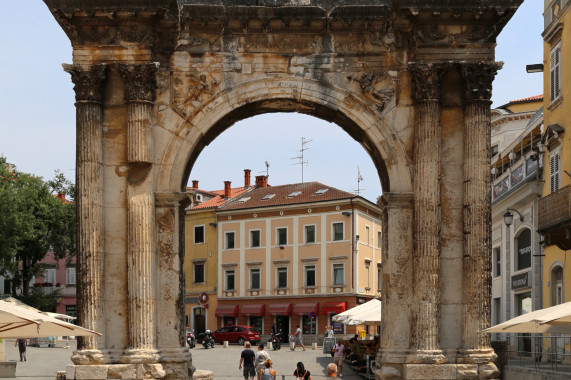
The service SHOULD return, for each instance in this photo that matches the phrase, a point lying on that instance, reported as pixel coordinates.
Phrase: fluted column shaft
(140, 85)
(427, 215)
(89, 202)
(477, 208)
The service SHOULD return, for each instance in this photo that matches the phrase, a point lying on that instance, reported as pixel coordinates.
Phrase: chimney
(261, 181)
(195, 184)
(227, 189)
(247, 177)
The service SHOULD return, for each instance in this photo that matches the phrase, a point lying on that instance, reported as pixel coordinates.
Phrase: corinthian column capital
(87, 80)
(140, 80)
(428, 78)
(479, 77)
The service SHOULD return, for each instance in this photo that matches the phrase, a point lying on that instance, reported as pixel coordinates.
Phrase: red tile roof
(307, 194)
(528, 99)
(219, 198)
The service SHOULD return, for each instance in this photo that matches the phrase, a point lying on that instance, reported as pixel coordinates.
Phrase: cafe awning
(335, 307)
(306, 308)
(226, 311)
(279, 309)
(253, 310)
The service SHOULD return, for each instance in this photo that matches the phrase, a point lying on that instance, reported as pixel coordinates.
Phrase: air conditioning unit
(198, 197)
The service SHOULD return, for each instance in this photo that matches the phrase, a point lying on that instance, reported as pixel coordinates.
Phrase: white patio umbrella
(345, 317)
(551, 320)
(19, 322)
(371, 316)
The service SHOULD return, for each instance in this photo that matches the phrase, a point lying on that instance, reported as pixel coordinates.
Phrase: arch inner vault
(157, 80)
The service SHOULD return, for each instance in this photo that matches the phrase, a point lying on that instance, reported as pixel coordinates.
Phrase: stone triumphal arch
(157, 80)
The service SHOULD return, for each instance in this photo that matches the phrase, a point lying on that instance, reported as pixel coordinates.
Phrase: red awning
(253, 310)
(306, 308)
(279, 309)
(226, 311)
(333, 307)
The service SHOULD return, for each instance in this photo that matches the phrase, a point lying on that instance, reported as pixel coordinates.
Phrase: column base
(426, 357)
(140, 356)
(89, 357)
(177, 363)
(481, 356)
(115, 371)
(449, 372)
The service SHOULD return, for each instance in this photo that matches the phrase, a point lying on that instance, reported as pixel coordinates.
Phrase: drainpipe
(352, 245)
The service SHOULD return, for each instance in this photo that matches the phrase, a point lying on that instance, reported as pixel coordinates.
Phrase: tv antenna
(300, 157)
(267, 169)
(359, 180)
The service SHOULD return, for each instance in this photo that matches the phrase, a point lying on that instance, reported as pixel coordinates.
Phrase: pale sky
(37, 115)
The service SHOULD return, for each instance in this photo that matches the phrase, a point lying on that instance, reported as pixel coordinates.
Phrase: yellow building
(201, 247)
(296, 255)
(554, 212)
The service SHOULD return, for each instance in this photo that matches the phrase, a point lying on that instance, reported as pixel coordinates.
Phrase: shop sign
(521, 281)
(191, 300)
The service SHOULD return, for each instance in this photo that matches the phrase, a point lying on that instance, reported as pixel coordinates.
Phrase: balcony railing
(554, 209)
(523, 170)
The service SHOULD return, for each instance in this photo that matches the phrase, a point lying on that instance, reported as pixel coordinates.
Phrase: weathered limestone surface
(158, 80)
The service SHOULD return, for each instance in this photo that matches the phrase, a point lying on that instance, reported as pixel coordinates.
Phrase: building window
(555, 72)
(497, 262)
(309, 275)
(367, 235)
(255, 278)
(198, 234)
(254, 238)
(282, 277)
(497, 311)
(555, 170)
(368, 269)
(379, 239)
(70, 276)
(495, 150)
(556, 285)
(379, 277)
(50, 276)
(338, 274)
(198, 273)
(309, 325)
(230, 280)
(523, 249)
(337, 231)
(229, 240)
(281, 236)
(310, 233)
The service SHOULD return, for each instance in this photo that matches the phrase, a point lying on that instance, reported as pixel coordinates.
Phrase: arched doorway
(157, 81)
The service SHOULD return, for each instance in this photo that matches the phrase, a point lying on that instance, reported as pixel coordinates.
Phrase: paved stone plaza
(43, 363)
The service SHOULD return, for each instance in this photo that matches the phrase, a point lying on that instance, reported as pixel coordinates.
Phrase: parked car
(237, 334)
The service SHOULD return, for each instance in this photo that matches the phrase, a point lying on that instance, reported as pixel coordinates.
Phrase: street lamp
(509, 218)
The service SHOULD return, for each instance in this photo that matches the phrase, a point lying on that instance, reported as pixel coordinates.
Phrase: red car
(237, 334)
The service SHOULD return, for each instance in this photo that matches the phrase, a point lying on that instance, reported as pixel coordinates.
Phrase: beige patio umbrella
(19, 322)
(370, 316)
(551, 320)
(345, 316)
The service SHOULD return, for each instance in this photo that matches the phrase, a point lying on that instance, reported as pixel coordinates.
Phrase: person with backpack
(301, 373)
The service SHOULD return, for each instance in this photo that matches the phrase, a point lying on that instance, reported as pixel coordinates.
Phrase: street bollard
(225, 344)
(314, 346)
(270, 346)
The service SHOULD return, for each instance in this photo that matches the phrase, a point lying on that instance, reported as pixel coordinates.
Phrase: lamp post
(509, 218)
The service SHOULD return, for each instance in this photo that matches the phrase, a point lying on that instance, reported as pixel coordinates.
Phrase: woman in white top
(268, 373)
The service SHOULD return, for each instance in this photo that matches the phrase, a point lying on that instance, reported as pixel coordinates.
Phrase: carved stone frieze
(190, 90)
(88, 82)
(372, 88)
(135, 33)
(479, 77)
(140, 80)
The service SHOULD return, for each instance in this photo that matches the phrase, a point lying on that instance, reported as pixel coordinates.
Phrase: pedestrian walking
(268, 373)
(297, 339)
(247, 358)
(301, 373)
(338, 357)
(261, 357)
(21, 343)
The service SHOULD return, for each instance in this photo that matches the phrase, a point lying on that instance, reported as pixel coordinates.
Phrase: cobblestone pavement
(43, 363)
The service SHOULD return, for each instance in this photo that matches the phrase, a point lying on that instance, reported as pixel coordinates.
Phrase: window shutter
(554, 172)
(555, 73)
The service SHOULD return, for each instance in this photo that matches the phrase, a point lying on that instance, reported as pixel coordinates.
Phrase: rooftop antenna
(267, 169)
(300, 157)
(359, 180)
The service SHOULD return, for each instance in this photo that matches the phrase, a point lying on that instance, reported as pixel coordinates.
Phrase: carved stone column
(396, 283)
(140, 84)
(88, 83)
(426, 265)
(477, 211)
(174, 354)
